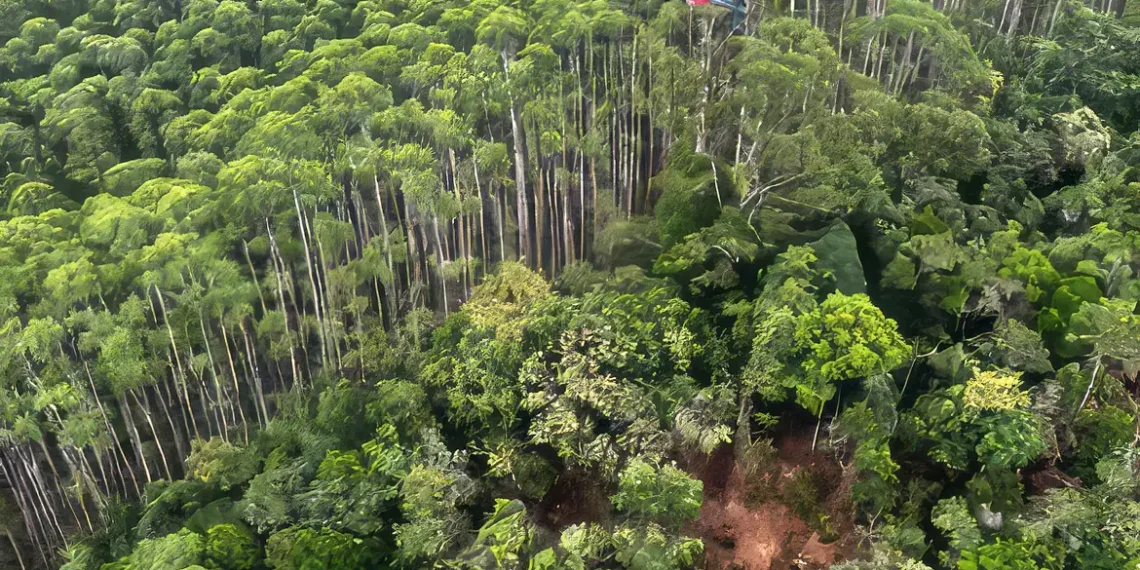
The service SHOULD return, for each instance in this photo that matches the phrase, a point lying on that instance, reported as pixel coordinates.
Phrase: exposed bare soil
(744, 529)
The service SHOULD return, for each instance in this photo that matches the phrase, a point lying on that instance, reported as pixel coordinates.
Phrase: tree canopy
(565, 284)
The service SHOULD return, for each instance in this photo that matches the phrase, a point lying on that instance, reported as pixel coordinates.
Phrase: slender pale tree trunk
(904, 68)
(525, 248)
(461, 226)
(39, 493)
(917, 67)
(413, 245)
(234, 375)
(387, 249)
(634, 131)
(249, 349)
(179, 371)
(114, 433)
(482, 213)
(333, 318)
(253, 274)
(214, 376)
(440, 262)
(1014, 18)
(79, 474)
(301, 221)
(279, 268)
(706, 67)
(16, 549)
(57, 480)
(539, 211)
(32, 515)
(1004, 15)
(133, 434)
(104, 479)
(154, 432)
(165, 405)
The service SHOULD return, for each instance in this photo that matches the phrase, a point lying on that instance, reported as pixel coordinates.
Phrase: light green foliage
(220, 462)
(501, 299)
(123, 179)
(649, 547)
(429, 500)
(846, 337)
(298, 548)
(269, 499)
(993, 391)
(664, 495)
(170, 504)
(810, 347)
(313, 255)
(1099, 433)
(882, 559)
(952, 517)
(230, 547)
(503, 539)
(171, 552)
(988, 415)
(352, 490)
(1107, 329)
(1007, 554)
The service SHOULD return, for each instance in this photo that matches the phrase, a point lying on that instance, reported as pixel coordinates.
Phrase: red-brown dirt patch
(746, 530)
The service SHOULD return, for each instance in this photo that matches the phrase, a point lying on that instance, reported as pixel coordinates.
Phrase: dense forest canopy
(569, 284)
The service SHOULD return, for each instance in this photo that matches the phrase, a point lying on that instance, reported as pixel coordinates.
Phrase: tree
(296, 548)
(666, 495)
(178, 550)
(230, 547)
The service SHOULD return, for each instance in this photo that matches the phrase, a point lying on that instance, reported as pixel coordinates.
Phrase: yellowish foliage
(995, 390)
(501, 299)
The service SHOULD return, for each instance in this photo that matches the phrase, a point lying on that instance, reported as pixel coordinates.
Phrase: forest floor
(750, 526)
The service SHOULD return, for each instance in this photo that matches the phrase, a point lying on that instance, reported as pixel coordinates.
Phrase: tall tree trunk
(133, 434)
(57, 480)
(32, 515)
(16, 549)
(539, 209)
(461, 227)
(116, 443)
(165, 404)
(482, 214)
(387, 250)
(39, 494)
(154, 432)
(80, 475)
(234, 375)
(413, 245)
(706, 67)
(253, 274)
(333, 320)
(179, 371)
(440, 262)
(525, 248)
(1014, 17)
(279, 271)
(214, 376)
(252, 356)
(904, 67)
(301, 217)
